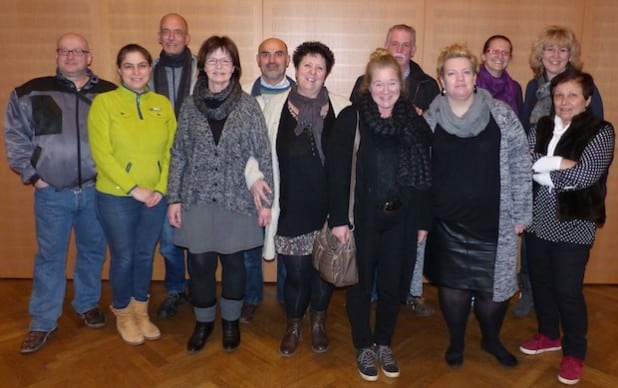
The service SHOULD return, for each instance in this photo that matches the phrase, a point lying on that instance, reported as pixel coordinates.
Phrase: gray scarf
(543, 105)
(470, 124)
(309, 117)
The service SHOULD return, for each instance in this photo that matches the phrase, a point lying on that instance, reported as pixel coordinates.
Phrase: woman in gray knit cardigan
(213, 212)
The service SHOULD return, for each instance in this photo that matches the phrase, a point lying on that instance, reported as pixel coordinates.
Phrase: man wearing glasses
(174, 74)
(47, 144)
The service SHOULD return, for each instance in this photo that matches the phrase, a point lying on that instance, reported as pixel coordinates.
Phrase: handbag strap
(353, 173)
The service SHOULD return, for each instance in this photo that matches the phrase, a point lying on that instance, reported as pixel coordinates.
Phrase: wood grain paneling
(351, 28)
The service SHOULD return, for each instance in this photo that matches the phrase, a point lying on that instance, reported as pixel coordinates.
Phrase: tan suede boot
(127, 327)
(147, 328)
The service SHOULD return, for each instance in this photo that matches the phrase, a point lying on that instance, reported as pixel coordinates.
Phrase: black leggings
(456, 304)
(204, 283)
(303, 285)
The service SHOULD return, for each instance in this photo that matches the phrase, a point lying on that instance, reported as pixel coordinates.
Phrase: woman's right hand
(341, 233)
(141, 194)
(174, 214)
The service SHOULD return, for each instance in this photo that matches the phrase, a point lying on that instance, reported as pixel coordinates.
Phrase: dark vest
(589, 203)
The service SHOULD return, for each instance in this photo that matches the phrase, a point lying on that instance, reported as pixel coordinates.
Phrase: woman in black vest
(572, 152)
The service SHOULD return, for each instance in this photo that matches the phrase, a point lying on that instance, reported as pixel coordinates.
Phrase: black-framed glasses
(77, 52)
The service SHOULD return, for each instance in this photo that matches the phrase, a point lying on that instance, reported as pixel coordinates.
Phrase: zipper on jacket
(139, 110)
(79, 145)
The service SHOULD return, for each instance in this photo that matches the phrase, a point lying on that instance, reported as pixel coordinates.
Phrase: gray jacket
(45, 130)
(515, 194)
(202, 172)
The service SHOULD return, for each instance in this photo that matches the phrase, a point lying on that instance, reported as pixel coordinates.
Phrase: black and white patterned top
(593, 163)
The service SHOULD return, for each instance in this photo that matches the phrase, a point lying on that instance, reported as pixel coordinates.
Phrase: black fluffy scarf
(414, 169)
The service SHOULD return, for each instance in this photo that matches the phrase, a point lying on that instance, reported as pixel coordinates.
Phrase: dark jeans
(174, 257)
(254, 289)
(304, 286)
(557, 275)
(132, 230)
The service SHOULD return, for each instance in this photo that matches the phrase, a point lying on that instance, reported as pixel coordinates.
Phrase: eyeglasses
(77, 52)
(224, 62)
(498, 52)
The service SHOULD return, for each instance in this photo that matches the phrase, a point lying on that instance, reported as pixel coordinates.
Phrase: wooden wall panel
(351, 28)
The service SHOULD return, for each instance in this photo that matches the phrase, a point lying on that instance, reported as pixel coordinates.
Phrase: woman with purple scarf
(493, 76)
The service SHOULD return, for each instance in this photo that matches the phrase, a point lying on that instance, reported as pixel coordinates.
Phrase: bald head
(173, 33)
(73, 55)
(273, 59)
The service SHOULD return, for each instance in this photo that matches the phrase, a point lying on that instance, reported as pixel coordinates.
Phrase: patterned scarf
(414, 168)
(543, 106)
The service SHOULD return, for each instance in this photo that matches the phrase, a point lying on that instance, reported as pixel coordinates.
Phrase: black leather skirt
(457, 259)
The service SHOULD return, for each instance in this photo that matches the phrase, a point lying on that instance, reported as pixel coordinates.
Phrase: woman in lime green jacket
(131, 131)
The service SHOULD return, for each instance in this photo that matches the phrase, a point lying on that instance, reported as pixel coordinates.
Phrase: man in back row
(174, 74)
(272, 59)
(47, 144)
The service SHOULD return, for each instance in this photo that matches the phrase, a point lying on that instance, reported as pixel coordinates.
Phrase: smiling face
(385, 89)
(555, 59)
(569, 100)
(135, 71)
(400, 44)
(219, 68)
(310, 75)
(273, 59)
(458, 78)
(173, 34)
(497, 56)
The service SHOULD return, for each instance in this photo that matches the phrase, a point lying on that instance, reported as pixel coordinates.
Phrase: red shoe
(540, 343)
(570, 370)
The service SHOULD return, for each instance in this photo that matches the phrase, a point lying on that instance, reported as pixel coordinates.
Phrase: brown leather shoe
(247, 312)
(35, 341)
(289, 343)
(94, 318)
(319, 340)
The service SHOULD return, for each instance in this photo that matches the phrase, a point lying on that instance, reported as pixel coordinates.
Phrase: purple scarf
(503, 88)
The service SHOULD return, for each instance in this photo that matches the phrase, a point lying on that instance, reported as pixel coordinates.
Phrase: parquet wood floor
(81, 357)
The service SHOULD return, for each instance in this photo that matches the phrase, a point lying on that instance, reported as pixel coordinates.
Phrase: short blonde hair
(561, 37)
(456, 50)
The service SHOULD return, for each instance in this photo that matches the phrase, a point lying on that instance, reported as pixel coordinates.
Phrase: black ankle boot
(231, 335)
(200, 334)
(497, 350)
(454, 358)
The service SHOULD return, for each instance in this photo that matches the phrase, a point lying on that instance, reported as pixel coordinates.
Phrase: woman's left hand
(264, 216)
(519, 228)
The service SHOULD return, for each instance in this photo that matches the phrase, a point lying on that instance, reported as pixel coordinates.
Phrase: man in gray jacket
(47, 144)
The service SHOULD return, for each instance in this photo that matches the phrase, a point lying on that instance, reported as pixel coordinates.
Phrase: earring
(475, 89)
(443, 92)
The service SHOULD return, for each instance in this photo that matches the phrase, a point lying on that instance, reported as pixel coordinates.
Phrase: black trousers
(557, 275)
(382, 257)
(303, 286)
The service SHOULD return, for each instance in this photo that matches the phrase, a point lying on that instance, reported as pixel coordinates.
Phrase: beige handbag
(337, 262)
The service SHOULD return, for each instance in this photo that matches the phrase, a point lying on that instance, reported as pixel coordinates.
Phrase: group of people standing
(179, 154)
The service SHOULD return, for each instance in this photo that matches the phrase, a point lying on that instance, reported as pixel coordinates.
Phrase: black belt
(390, 206)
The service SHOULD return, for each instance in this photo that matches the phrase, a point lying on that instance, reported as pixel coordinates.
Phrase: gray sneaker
(366, 363)
(387, 361)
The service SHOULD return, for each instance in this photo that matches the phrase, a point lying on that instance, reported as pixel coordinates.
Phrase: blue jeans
(254, 286)
(56, 213)
(132, 230)
(174, 257)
